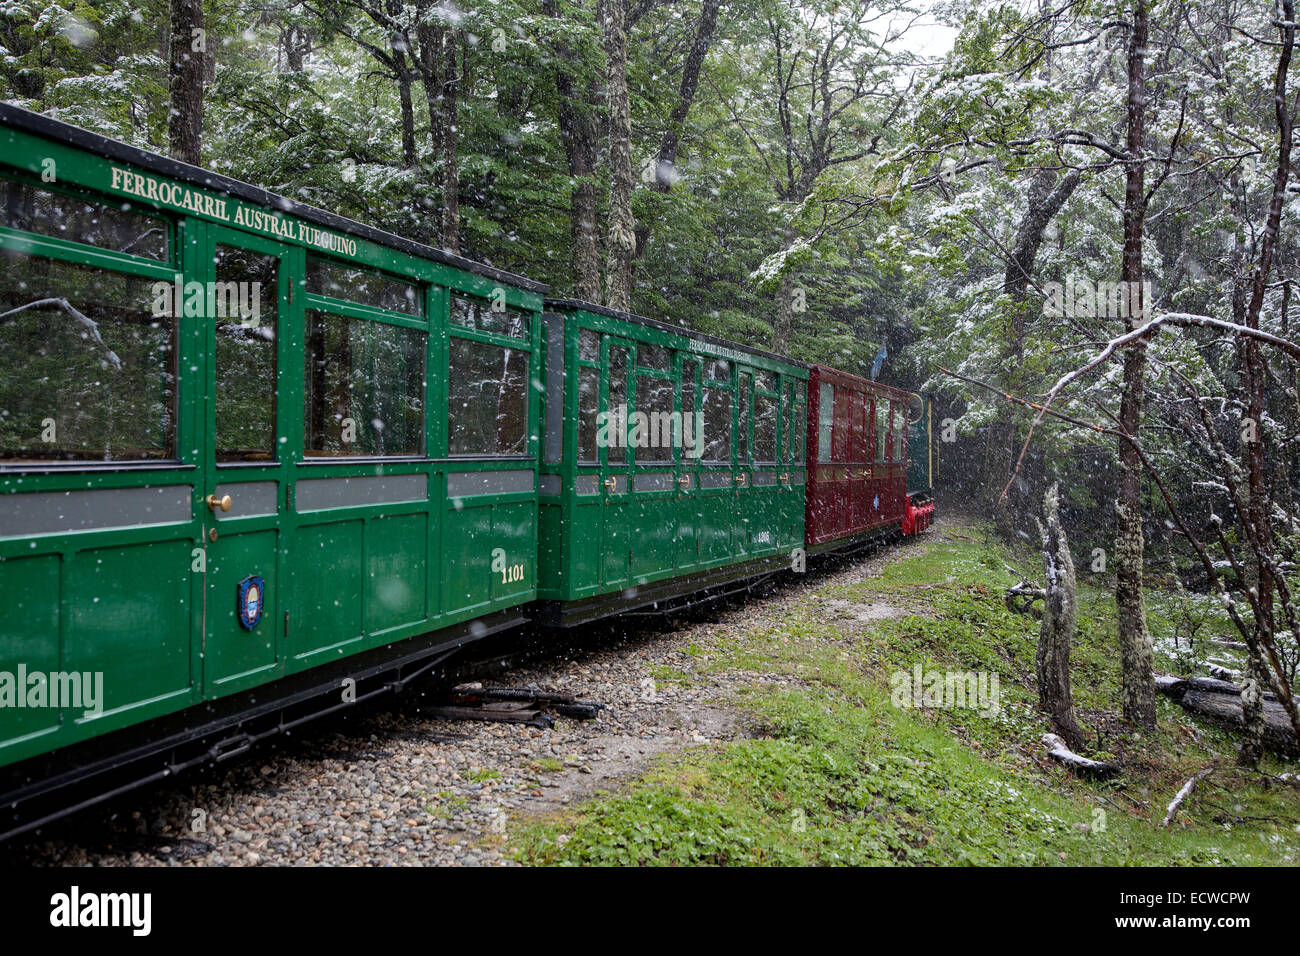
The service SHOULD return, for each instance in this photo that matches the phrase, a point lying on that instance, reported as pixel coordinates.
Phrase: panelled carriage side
(628, 525)
(243, 442)
(857, 470)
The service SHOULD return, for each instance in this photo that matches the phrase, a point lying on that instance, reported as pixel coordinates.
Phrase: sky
(926, 36)
(929, 38)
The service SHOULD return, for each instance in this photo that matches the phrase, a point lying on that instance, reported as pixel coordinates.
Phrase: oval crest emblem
(252, 598)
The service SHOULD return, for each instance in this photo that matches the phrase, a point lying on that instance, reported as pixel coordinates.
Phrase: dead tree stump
(1060, 615)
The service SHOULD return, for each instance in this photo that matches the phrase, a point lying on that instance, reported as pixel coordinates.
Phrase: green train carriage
(628, 524)
(243, 443)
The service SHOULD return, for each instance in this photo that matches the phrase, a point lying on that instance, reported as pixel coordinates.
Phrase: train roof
(849, 380)
(566, 304)
(59, 131)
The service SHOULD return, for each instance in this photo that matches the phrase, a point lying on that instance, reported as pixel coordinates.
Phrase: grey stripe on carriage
(321, 494)
(94, 509)
(248, 498)
(465, 484)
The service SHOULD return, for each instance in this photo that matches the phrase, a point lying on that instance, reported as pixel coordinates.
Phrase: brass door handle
(222, 503)
(785, 479)
(611, 484)
(741, 479)
(684, 481)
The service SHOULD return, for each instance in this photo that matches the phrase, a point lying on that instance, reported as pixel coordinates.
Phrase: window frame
(639, 372)
(357, 311)
(523, 344)
(39, 245)
(775, 395)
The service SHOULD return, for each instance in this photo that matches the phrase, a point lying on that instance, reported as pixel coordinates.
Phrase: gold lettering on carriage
(255, 220)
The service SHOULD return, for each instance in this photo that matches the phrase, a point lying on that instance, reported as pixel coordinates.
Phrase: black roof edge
(58, 130)
(669, 327)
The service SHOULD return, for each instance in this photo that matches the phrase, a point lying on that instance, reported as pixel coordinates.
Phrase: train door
(247, 291)
(879, 488)
(654, 500)
(718, 473)
(746, 517)
(761, 495)
(858, 457)
(688, 459)
(792, 477)
(616, 462)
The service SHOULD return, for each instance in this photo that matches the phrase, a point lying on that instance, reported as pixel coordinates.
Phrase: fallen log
(1183, 794)
(1220, 700)
(1176, 687)
(1084, 766)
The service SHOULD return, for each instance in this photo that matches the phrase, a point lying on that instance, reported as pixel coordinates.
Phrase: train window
(616, 452)
(79, 220)
(327, 277)
(717, 370)
(92, 375)
(742, 433)
(799, 423)
(787, 422)
(652, 356)
(488, 399)
(472, 314)
(825, 421)
(856, 438)
(717, 424)
(589, 345)
(654, 398)
(899, 431)
(245, 358)
(693, 448)
(553, 326)
(364, 389)
(764, 428)
(882, 429)
(588, 408)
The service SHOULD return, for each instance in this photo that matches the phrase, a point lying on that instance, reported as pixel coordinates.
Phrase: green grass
(841, 775)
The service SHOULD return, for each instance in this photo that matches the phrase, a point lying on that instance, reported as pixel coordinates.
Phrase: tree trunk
(403, 70)
(783, 321)
(1259, 506)
(1137, 682)
(185, 121)
(621, 237)
(578, 135)
(451, 141)
(666, 164)
(440, 67)
(1052, 659)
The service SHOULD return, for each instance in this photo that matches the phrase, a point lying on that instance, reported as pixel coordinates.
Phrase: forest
(1073, 223)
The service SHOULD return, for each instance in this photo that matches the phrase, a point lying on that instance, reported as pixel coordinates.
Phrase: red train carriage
(857, 460)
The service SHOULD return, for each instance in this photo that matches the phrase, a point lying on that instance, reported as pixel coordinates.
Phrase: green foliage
(840, 776)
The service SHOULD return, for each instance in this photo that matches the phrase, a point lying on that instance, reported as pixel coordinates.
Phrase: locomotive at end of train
(259, 463)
